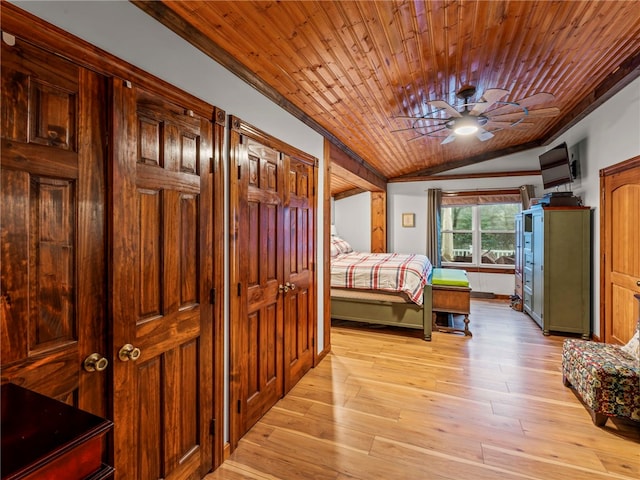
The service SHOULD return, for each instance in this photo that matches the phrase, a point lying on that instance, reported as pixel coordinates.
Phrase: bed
(381, 288)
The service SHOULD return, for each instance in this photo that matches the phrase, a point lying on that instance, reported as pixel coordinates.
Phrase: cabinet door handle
(95, 363)
(129, 352)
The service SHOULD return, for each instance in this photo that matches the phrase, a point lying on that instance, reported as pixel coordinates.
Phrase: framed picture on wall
(409, 220)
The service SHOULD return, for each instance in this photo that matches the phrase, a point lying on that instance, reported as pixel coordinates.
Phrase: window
(478, 235)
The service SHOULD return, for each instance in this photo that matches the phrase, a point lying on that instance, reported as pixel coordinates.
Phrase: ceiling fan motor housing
(465, 92)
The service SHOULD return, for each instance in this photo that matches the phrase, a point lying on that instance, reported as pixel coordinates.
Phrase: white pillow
(633, 346)
(339, 245)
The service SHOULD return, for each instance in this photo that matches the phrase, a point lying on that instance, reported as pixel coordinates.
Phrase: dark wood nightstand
(43, 438)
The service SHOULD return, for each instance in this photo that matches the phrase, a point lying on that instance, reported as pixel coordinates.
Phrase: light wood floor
(392, 406)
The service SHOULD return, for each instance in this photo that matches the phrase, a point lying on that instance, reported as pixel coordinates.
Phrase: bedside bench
(451, 294)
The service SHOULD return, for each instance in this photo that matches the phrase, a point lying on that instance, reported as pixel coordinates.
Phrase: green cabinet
(556, 274)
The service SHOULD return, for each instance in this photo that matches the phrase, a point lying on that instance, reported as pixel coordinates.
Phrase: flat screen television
(555, 166)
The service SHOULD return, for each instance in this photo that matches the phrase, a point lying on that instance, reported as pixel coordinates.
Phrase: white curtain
(434, 199)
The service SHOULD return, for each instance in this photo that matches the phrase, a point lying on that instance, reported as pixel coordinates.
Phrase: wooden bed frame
(381, 312)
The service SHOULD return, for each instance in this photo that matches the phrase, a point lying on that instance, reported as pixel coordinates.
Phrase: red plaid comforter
(392, 272)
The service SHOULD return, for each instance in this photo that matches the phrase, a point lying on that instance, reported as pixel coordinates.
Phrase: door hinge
(239, 289)
(238, 172)
(212, 296)
(239, 404)
(212, 427)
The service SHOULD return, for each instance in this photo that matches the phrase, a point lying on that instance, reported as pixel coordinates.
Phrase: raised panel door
(620, 259)
(161, 282)
(52, 308)
(299, 308)
(257, 330)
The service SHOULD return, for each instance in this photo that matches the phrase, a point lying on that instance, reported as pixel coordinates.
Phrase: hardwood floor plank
(548, 468)
(447, 465)
(385, 404)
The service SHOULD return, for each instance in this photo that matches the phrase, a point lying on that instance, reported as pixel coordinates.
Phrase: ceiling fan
(482, 118)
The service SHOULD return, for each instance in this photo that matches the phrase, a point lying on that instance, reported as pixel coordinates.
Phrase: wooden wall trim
(633, 162)
(64, 44)
(326, 252)
(463, 176)
(219, 179)
(610, 86)
(243, 128)
(379, 222)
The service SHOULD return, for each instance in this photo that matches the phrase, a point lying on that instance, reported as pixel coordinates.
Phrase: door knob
(292, 286)
(283, 288)
(95, 363)
(638, 283)
(129, 352)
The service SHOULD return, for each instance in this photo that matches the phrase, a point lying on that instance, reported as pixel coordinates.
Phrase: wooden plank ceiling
(350, 68)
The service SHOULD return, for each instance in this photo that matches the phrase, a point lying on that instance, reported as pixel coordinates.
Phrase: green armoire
(556, 273)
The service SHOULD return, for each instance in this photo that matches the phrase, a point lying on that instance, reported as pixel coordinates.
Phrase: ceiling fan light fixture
(466, 130)
(465, 126)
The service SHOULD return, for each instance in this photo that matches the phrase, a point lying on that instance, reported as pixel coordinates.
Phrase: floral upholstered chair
(605, 376)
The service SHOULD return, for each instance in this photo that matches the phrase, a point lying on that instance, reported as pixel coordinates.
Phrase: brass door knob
(292, 286)
(95, 363)
(129, 352)
(283, 288)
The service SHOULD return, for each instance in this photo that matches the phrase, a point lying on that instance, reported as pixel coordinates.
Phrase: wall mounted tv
(555, 166)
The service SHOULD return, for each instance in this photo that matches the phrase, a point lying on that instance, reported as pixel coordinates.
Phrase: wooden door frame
(605, 250)
(239, 127)
(59, 42)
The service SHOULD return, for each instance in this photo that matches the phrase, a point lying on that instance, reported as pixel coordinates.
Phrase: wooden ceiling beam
(356, 172)
(426, 172)
(464, 176)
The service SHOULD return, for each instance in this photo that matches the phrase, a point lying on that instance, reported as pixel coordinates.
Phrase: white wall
(353, 221)
(609, 135)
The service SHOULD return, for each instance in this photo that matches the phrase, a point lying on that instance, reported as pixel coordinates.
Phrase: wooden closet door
(256, 329)
(52, 304)
(161, 282)
(272, 247)
(620, 260)
(299, 241)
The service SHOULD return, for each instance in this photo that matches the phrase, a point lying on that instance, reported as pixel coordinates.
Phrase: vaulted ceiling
(354, 70)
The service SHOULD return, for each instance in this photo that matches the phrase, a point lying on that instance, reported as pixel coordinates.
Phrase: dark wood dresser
(43, 438)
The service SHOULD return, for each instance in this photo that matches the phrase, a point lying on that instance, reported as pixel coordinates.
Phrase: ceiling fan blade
(526, 102)
(449, 139)
(502, 125)
(418, 127)
(515, 116)
(430, 134)
(442, 105)
(417, 137)
(483, 134)
(402, 130)
(489, 97)
(416, 117)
